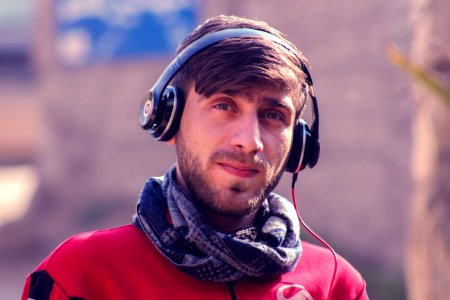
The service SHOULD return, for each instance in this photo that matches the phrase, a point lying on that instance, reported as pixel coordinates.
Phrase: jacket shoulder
(80, 260)
(319, 266)
(91, 245)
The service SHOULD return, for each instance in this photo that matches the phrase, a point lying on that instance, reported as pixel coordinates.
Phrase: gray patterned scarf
(271, 246)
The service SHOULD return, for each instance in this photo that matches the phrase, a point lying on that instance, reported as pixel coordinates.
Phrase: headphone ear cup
(170, 108)
(301, 146)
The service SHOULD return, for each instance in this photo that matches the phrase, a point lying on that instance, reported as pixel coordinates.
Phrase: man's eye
(274, 116)
(223, 106)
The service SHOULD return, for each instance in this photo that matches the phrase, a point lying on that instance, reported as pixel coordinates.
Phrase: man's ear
(171, 141)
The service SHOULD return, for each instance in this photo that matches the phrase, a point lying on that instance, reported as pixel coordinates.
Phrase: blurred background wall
(73, 158)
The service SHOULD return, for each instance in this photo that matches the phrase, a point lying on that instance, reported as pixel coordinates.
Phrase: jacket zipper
(231, 290)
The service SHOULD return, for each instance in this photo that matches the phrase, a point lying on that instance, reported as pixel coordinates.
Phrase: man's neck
(227, 224)
(220, 222)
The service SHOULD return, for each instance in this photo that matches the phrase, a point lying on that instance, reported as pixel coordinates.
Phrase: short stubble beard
(206, 196)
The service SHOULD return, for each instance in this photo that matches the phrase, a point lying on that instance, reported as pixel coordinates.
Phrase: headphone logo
(293, 292)
(148, 106)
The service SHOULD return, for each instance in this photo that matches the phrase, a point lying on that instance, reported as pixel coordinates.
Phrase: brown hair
(242, 63)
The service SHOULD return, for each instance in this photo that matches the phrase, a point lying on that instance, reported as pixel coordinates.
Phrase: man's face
(232, 148)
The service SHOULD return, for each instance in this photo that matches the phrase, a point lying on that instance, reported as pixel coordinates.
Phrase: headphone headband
(208, 40)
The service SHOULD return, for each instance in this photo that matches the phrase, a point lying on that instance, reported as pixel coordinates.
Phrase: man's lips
(238, 169)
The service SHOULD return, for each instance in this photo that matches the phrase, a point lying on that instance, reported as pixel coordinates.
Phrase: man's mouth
(238, 169)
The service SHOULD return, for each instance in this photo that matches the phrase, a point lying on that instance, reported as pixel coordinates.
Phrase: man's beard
(205, 195)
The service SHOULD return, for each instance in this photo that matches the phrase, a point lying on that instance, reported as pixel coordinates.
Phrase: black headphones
(162, 106)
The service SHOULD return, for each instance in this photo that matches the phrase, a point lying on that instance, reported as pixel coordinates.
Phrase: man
(211, 228)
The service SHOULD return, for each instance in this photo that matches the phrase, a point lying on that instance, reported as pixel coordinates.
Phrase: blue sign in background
(89, 31)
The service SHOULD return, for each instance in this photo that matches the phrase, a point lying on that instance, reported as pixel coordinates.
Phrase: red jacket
(122, 263)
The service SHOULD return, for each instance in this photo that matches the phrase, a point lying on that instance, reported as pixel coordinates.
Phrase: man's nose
(247, 135)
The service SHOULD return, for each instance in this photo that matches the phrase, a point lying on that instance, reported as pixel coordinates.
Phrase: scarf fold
(174, 225)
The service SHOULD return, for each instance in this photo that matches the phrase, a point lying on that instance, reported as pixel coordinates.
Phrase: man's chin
(243, 208)
(232, 212)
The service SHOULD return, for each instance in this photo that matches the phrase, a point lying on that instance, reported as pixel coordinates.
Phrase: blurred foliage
(419, 73)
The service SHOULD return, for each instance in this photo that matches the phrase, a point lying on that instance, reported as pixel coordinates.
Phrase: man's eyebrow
(278, 103)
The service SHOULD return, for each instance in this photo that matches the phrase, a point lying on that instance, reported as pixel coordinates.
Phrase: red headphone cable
(315, 235)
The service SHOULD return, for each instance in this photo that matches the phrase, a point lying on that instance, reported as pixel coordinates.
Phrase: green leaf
(418, 73)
